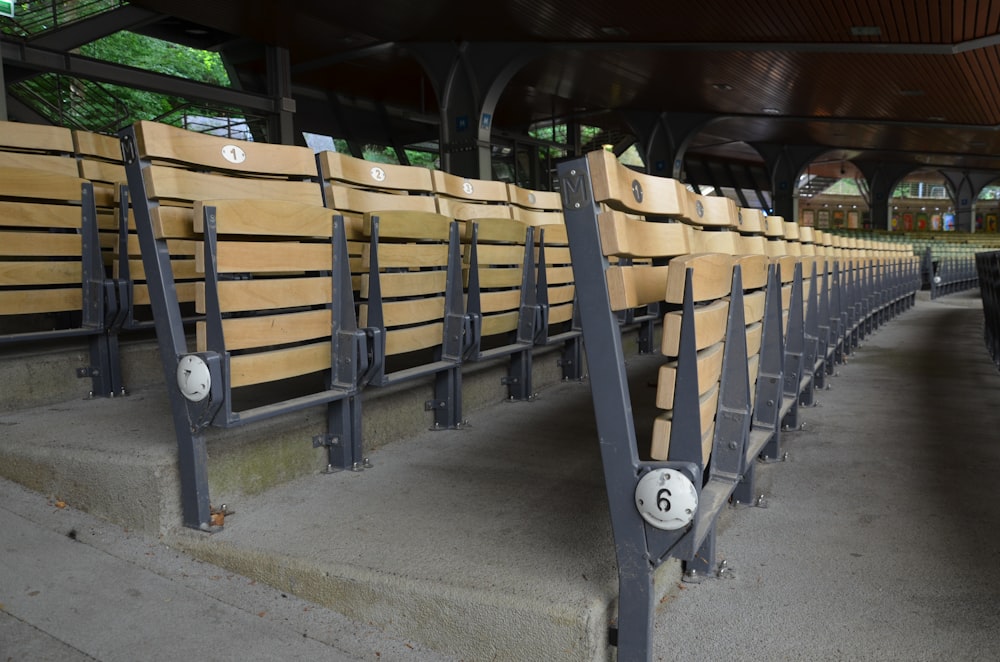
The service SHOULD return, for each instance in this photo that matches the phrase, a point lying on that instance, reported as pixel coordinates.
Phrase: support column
(281, 126)
(882, 178)
(469, 79)
(964, 188)
(664, 138)
(784, 164)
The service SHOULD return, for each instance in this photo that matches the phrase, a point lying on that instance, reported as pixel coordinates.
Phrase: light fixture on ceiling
(723, 87)
(936, 118)
(770, 111)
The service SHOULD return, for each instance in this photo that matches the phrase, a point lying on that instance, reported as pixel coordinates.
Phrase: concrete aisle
(74, 588)
(882, 536)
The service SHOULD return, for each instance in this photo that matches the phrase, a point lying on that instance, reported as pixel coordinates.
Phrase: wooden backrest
(696, 285)
(405, 287)
(182, 167)
(466, 199)
(496, 254)
(99, 159)
(267, 288)
(49, 252)
(543, 211)
(37, 147)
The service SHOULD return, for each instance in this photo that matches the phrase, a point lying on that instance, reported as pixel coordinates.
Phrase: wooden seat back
(274, 294)
(51, 273)
(183, 167)
(99, 159)
(696, 285)
(556, 289)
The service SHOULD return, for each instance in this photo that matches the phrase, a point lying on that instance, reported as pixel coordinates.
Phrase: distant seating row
(754, 318)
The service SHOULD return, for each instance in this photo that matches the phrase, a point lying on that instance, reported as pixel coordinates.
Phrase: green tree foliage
(135, 50)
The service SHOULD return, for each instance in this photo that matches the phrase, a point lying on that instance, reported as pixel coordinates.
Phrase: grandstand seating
(278, 280)
(714, 430)
(52, 275)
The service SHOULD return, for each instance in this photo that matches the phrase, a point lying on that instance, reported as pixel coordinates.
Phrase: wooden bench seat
(409, 279)
(239, 230)
(52, 279)
(703, 435)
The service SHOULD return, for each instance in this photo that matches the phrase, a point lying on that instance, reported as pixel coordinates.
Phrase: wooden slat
(183, 269)
(709, 369)
(269, 257)
(503, 300)
(186, 293)
(711, 279)
(750, 220)
(628, 237)
(499, 323)
(559, 275)
(786, 267)
(707, 404)
(753, 245)
(408, 225)
(264, 294)
(634, 286)
(776, 248)
(41, 137)
(57, 165)
(342, 167)
(97, 145)
(534, 200)
(563, 294)
(406, 312)
(40, 243)
(411, 339)
(553, 235)
(268, 330)
(753, 306)
(39, 185)
(469, 189)
(101, 171)
(558, 255)
(165, 183)
(538, 217)
(753, 270)
(162, 142)
(717, 211)
(21, 214)
(171, 222)
(16, 273)
(754, 334)
(709, 327)
(715, 241)
(466, 210)
(398, 256)
(559, 314)
(271, 366)
(499, 254)
(491, 277)
(265, 217)
(362, 201)
(497, 230)
(417, 283)
(25, 302)
(613, 184)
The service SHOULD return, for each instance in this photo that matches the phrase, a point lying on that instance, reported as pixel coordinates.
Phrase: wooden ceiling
(913, 81)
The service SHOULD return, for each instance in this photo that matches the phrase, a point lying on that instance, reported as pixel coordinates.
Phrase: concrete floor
(880, 540)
